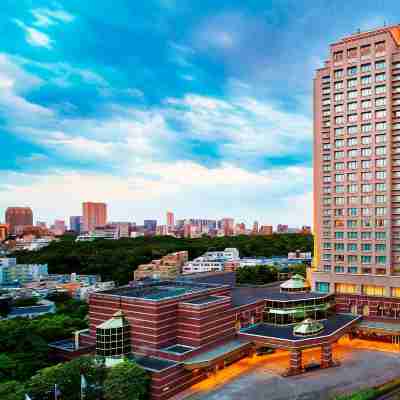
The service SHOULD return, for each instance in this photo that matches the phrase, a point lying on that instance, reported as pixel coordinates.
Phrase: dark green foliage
(126, 381)
(117, 259)
(258, 275)
(12, 390)
(26, 302)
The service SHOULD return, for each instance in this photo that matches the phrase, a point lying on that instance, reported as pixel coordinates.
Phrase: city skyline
(169, 118)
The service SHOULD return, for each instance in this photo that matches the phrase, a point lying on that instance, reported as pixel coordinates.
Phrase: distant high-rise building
(4, 230)
(282, 228)
(75, 223)
(227, 225)
(58, 228)
(255, 228)
(170, 219)
(94, 215)
(150, 225)
(266, 230)
(18, 217)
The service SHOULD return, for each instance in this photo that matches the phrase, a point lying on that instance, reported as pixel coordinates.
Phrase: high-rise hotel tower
(357, 174)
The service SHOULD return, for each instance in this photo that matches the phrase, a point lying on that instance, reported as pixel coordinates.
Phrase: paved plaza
(259, 378)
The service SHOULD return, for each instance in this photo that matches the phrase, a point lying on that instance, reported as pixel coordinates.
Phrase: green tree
(7, 367)
(12, 390)
(126, 381)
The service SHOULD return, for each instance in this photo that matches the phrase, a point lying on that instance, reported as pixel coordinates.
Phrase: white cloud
(45, 17)
(183, 186)
(35, 37)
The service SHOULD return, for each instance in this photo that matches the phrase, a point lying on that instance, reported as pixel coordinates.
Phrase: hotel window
(366, 103)
(352, 106)
(352, 94)
(365, 116)
(352, 235)
(352, 53)
(339, 246)
(366, 212)
(380, 211)
(338, 74)
(366, 235)
(351, 154)
(327, 246)
(339, 132)
(380, 174)
(351, 71)
(339, 165)
(395, 292)
(380, 47)
(380, 248)
(351, 130)
(380, 89)
(352, 212)
(366, 128)
(326, 168)
(380, 162)
(326, 256)
(345, 288)
(366, 67)
(326, 179)
(380, 64)
(366, 164)
(339, 177)
(339, 154)
(339, 269)
(326, 146)
(365, 188)
(352, 188)
(366, 223)
(396, 222)
(381, 102)
(338, 257)
(327, 268)
(352, 142)
(351, 259)
(326, 157)
(366, 140)
(352, 247)
(338, 85)
(352, 200)
(366, 152)
(339, 120)
(352, 118)
(326, 113)
(352, 177)
(339, 143)
(366, 176)
(338, 56)
(326, 212)
(339, 235)
(339, 189)
(366, 80)
(380, 235)
(339, 201)
(366, 200)
(352, 270)
(338, 108)
(380, 223)
(380, 198)
(380, 138)
(326, 91)
(380, 151)
(366, 92)
(380, 260)
(338, 97)
(380, 187)
(352, 223)
(327, 201)
(352, 82)
(372, 290)
(366, 259)
(322, 287)
(380, 114)
(380, 77)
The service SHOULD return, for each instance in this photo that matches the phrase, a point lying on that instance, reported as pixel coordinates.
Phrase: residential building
(300, 255)
(255, 228)
(357, 174)
(75, 223)
(150, 225)
(4, 230)
(227, 225)
(282, 228)
(266, 230)
(17, 218)
(58, 228)
(94, 215)
(170, 220)
(10, 271)
(31, 243)
(168, 267)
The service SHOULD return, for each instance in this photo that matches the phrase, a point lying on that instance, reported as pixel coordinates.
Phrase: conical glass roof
(296, 282)
(308, 327)
(117, 321)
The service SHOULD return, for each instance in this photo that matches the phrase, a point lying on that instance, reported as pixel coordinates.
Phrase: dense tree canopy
(117, 259)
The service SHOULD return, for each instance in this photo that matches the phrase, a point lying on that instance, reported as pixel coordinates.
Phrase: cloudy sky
(198, 106)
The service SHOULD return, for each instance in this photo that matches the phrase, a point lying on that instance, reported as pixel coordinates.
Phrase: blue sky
(202, 107)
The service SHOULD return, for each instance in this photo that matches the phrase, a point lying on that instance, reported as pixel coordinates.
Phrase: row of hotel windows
(364, 223)
(365, 164)
(368, 91)
(365, 212)
(365, 116)
(354, 200)
(367, 67)
(364, 51)
(365, 176)
(353, 141)
(363, 235)
(366, 247)
(348, 288)
(351, 259)
(339, 108)
(353, 188)
(354, 130)
(353, 153)
(354, 270)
